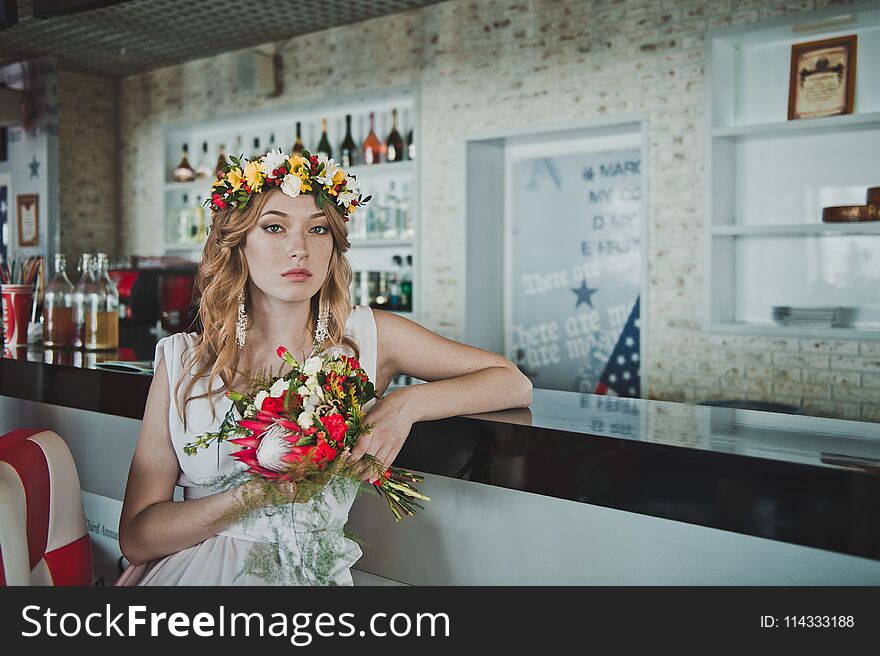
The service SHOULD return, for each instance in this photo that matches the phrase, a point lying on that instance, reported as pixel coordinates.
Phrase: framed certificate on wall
(28, 206)
(823, 78)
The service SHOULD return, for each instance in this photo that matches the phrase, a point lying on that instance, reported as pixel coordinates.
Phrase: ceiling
(135, 36)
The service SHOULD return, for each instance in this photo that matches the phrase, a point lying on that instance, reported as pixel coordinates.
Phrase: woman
(276, 254)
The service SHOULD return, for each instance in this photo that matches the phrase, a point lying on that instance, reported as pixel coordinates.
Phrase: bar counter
(774, 479)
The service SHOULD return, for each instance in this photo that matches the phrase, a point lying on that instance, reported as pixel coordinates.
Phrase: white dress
(219, 559)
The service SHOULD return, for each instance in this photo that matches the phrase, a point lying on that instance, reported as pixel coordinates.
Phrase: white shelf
(768, 179)
(772, 330)
(824, 124)
(795, 230)
(407, 167)
(189, 187)
(382, 243)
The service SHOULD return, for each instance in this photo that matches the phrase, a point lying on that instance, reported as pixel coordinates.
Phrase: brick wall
(514, 64)
(88, 185)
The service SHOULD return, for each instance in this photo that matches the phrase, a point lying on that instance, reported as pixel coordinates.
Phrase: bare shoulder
(407, 347)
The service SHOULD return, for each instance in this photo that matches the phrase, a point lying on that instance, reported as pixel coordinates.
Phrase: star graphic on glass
(584, 294)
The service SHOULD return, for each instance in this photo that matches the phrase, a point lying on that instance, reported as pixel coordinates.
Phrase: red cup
(18, 301)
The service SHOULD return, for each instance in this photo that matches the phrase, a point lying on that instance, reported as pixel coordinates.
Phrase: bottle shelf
(802, 126)
(394, 186)
(382, 243)
(195, 186)
(795, 230)
(773, 330)
(406, 167)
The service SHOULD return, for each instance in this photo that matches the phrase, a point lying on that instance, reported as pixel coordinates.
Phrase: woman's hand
(264, 492)
(392, 423)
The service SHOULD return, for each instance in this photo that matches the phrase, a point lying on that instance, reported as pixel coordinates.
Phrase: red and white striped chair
(43, 535)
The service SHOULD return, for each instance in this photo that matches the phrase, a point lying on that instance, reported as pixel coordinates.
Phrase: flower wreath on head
(236, 183)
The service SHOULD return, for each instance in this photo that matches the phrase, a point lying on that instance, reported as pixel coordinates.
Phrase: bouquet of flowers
(296, 428)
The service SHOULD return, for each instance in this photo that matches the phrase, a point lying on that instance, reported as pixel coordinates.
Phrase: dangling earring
(322, 333)
(241, 322)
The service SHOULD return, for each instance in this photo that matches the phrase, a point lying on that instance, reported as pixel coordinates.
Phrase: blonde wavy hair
(223, 271)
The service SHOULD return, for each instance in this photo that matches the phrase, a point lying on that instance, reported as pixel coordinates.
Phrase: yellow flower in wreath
(233, 177)
(254, 175)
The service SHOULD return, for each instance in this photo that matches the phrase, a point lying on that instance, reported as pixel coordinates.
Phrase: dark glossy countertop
(805, 480)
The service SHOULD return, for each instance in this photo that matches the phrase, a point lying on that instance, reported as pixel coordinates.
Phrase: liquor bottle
(380, 300)
(394, 301)
(58, 308)
(371, 221)
(102, 310)
(183, 172)
(257, 154)
(372, 147)
(324, 143)
(80, 293)
(204, 168)
(239, 149)
(272, 145)
(406, 286)
(405, 225)
(184, 217)
(358, 225)
(298, 144)
(391, 211)
(410, 145)
(197, 228)
(348, 149)
(222, 160)
(396, 147)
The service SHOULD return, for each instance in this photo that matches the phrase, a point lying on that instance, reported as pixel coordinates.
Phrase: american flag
(622, 373)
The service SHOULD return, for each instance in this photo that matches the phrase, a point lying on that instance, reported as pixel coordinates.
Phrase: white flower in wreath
(262, 395)
(278, 388)
(291, 185)
(326, 176)
(272, 160)
(345, 198)
(272, 448)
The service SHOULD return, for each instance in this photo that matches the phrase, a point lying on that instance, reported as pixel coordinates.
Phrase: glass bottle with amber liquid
(348, 149)
(298, 143)
(221, 161)
(58, 308)
(81, 292)
(102, 310)
(372, 147)
(396, 148)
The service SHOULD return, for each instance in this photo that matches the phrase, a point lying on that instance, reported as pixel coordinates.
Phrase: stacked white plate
(806, 316)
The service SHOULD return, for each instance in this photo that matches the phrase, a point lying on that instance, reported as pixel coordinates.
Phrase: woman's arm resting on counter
(461, 379)
(152, 524)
